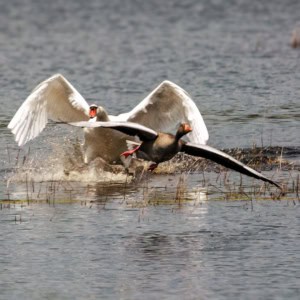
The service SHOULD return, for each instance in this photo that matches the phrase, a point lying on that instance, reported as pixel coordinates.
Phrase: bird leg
(152, 167)
(130, 152)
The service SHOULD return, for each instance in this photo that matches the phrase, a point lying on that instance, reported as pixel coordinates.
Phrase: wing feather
(55, 99)
(224, 159)
(129, 128)
(165, 107)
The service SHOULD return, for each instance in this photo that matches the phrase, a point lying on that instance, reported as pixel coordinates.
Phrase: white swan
(56, 99)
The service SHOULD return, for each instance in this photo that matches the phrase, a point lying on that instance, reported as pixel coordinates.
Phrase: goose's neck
(182, 131)
(179, 134)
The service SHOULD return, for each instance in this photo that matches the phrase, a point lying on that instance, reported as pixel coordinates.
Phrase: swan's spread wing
(224, 160)
(55, 99)
(167, 106)
(129, 128)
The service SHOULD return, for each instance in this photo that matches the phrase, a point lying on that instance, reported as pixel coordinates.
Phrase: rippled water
(216, 250)
(89, 240)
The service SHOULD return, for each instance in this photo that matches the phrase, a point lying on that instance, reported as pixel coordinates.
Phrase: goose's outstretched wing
(164, 108)
(55, 99)
(224, 160)
(129, 128)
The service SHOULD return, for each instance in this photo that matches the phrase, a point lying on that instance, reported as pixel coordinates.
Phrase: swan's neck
(101, 115)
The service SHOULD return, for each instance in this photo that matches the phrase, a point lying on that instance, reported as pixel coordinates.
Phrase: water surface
(88, 240)
(215, 250)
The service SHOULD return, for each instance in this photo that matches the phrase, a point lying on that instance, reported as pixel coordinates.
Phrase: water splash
(65, 163)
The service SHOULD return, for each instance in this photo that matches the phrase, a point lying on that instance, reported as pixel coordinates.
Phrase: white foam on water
(65, 163)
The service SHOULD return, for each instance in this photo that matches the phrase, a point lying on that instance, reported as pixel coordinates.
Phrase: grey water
(213, 251)
(235, 61)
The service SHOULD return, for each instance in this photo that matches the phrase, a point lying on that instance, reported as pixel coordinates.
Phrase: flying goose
(158, 147)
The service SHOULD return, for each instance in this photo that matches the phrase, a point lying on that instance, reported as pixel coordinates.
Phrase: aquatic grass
(8, 154)
(158, 195)
(297, 186)
(141, 188)
(180, 189)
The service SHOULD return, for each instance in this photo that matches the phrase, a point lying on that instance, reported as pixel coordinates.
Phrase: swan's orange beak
(93, 112)
(187, 128)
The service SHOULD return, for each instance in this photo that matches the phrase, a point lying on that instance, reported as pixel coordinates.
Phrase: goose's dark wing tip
(265, 179)
(277, 184)
(225, 160)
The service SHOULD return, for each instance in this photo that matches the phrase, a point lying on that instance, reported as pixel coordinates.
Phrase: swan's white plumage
(55, 99)
(164, 108)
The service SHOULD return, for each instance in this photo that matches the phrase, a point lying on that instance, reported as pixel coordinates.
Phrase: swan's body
(56, 99)
(159, 147)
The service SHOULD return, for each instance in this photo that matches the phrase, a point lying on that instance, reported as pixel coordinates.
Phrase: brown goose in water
(159, 147)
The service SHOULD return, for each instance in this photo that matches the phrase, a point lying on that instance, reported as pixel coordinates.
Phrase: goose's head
(184, 128)
(99, 112)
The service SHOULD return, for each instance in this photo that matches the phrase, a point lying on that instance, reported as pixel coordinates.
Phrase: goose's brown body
(164, 146)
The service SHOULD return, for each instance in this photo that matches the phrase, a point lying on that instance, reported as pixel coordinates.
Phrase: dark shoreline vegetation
(183, 179)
